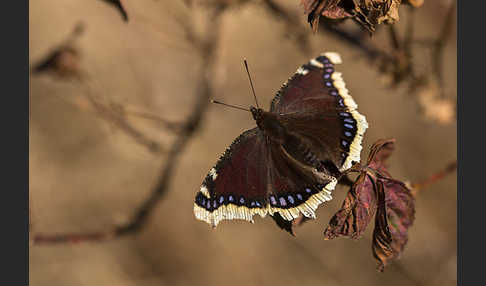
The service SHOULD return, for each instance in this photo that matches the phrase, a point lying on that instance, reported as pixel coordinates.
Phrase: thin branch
(203, 95)
(118, 4)
(63, 59)
(346, 181)
(398, 266)
(410, 29)
(396, 43)
(166, 124)
(292, 24)
(203, 100)
(114, 113)
(440, 43)
(63, 62)
(354, 39)
(421, 185)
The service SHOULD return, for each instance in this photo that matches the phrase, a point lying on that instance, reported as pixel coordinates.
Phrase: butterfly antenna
(229, 105)
(251, 83)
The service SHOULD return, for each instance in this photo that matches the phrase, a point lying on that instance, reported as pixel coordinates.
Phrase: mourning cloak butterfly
(290, 162)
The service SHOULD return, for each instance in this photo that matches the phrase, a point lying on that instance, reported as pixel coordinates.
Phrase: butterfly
(290, 163)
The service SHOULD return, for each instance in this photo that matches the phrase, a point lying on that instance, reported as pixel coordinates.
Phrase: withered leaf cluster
(368, 13)
(376, 193)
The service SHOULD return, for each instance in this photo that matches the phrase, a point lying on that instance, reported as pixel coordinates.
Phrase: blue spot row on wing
(349, 123)
(288, 200)
(211, 204)
(291, 200)
(323, 60)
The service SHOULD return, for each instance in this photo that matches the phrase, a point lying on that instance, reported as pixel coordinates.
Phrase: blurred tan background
(85, 174)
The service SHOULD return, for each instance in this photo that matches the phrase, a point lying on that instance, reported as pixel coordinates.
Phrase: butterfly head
(260, 117)
(257, 113)
(269, 124)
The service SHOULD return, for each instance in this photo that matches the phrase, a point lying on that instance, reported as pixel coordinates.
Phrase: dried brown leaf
(373, 12)
(380, 151)
(375, 192)
(382, 237)
(357, 210)
(368, 13)
(327, 8)
(400, 214)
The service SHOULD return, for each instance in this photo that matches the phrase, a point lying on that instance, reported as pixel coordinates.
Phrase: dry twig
(115, 114)
(63, 62)
(419, 186)
(207, 47)
(118, 4)
(293, 26)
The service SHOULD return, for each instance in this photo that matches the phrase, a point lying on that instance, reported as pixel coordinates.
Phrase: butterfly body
(269, 123)
(290, 162)
(295, 147)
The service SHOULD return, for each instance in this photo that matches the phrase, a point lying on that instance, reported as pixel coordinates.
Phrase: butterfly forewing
(315, 104)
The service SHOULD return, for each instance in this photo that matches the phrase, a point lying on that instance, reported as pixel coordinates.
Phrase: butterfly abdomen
(271, 126)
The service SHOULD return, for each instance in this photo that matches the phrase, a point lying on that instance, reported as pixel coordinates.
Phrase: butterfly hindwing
(296, 188)
(235, 188)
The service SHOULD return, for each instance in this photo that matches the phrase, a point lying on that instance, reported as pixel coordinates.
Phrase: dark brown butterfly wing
(296, 188)
(236, 187)
(315, 105)
(253, 177)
